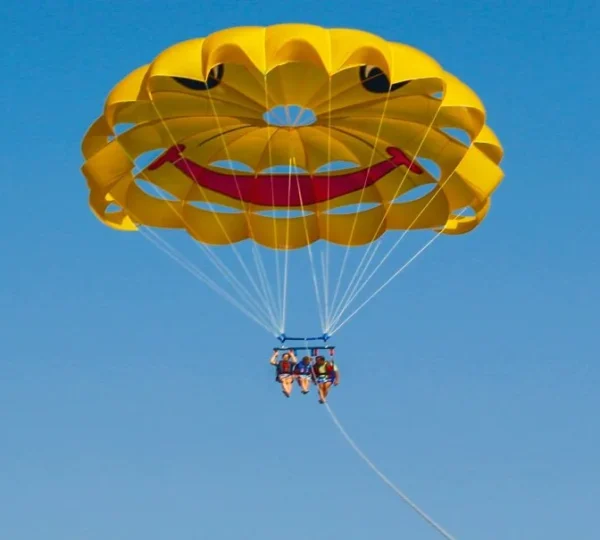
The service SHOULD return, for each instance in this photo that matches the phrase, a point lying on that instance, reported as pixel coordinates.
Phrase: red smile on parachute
(275, 189)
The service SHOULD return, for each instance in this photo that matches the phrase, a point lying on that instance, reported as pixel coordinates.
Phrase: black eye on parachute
(375, 80)
(214, 78)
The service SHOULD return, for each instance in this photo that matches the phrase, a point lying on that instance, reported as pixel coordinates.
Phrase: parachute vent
(289, 116)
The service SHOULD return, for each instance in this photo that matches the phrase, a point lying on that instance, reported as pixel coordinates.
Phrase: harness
(323, 372)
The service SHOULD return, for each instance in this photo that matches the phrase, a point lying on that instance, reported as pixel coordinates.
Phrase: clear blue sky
(134, 404)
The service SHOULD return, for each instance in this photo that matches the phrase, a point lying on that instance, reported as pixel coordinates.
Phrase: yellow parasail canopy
(269, 134)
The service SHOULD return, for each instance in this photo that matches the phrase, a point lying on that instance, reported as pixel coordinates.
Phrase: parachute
(291, 137)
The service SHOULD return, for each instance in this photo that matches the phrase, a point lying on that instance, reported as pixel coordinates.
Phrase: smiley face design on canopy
(250, 126)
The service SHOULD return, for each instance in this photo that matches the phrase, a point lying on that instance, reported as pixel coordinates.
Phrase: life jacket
(284, 367)
(324, 369)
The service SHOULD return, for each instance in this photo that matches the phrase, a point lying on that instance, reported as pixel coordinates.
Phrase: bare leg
(286, 385)
(326, 387)
(322, 394)
(304, 384)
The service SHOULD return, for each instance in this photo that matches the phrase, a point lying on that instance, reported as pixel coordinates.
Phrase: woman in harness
(324, 375)
(303, 374)
(284, 370)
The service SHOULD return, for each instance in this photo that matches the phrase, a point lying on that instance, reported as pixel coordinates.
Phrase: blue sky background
(135, 404)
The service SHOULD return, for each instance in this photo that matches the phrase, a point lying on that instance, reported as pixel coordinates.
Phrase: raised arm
(273, 360)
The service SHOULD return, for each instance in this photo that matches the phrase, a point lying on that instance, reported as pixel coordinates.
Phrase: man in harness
(324, 375)
(284, 370)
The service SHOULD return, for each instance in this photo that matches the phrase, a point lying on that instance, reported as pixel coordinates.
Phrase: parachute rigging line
(262, 319)
(261, 294)
(338, 325)
(164, 246)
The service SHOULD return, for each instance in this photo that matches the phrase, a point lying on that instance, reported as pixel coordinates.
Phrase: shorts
(304, 375)
(322, 379)
(283, 376)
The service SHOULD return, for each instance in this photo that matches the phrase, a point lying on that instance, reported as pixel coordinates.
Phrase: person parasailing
(324, 374)
(303, 374)
(284, 370)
